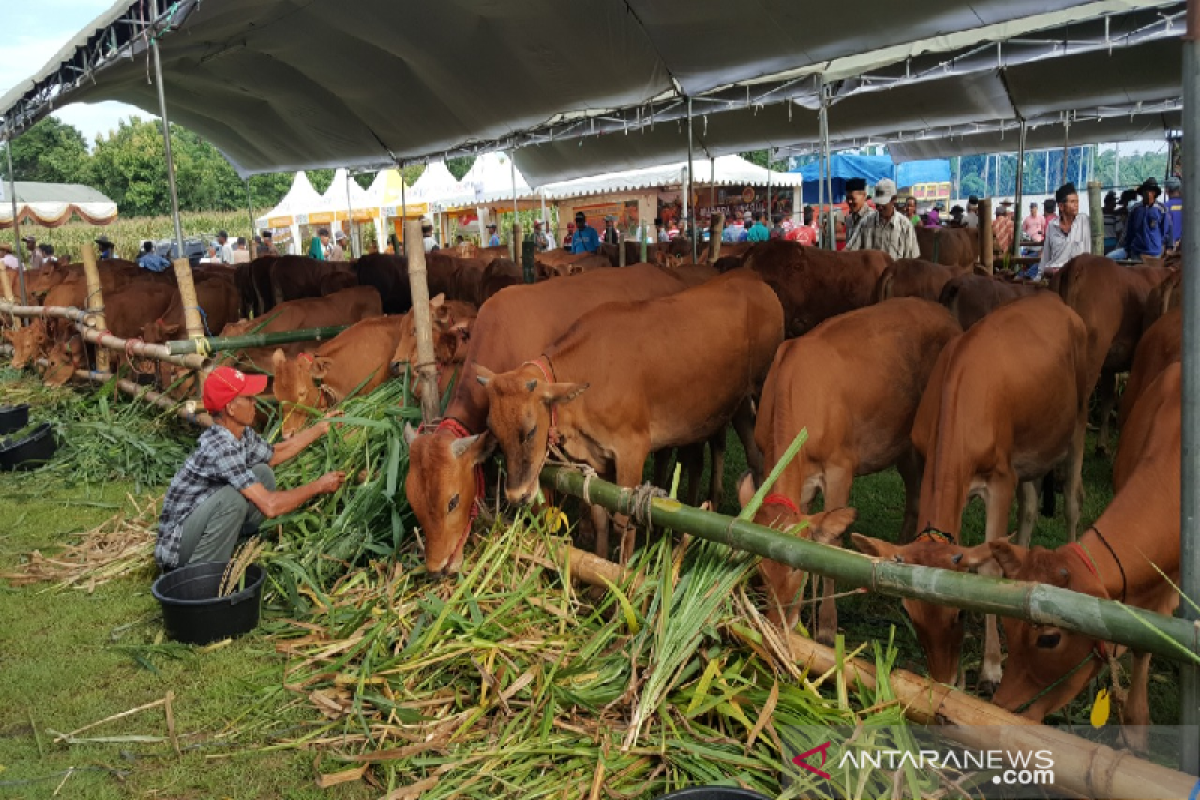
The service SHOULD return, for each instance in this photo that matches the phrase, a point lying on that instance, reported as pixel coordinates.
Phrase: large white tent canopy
(54, 204)
(721, 171)
(491, 179)
(269, 81)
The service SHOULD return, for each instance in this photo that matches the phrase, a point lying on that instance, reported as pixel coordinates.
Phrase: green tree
(460, 166)
(759, 157)
(50, 152)
(129, 166)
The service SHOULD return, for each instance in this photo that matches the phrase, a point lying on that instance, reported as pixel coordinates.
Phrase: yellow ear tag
(1100, 709)
(555, 518)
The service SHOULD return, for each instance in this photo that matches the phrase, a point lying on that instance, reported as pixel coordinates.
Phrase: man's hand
(323, 426)
(330, 482)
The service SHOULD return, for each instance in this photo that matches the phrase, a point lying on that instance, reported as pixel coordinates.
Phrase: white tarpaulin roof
(280, 85)
(340, 198)
(722, 171)
(489, 180)
(435, 184)
(53, 204)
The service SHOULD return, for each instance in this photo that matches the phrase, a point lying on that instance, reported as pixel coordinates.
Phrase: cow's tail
(884, 287)
(949, 296)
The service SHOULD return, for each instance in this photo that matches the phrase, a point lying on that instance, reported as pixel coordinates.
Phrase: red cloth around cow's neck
(780, 500)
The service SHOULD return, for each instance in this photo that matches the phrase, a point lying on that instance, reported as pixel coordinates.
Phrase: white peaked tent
(346, 200)
(721, 171)
(435, 184)
(488, 182)
(294, 209)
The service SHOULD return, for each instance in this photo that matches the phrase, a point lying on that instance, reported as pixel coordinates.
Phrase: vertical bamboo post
(1020, 194)
(986, 254)
(1096, 217)
(187, 295)
(515, 244)
(620, 251)
(6, 287)
(714, 244)
(94, 304)
(418, 284)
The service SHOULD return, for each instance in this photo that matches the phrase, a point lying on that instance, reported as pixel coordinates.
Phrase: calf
(1130, 555)
(27, 342)
(956, 247)
(638, 359)
(972, 297)
(343, 308)
(854, 382)
(1111, 300)
(813, 284)
(913, 277)
(520, 321)
(1006, 402)
(451, 322)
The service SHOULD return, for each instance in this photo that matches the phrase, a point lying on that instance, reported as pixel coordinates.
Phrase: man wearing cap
(1174, 204)
(541, 241)
(108, 249)
(226, 488)
(493, 236)
(971, 218)
(1069, 235)
(1149, 229)
(861, 215)
(337, 250)
(267, 246)
(586, 239)
(35, 256)
(886, 229)
(569, 237)
(1002, 228)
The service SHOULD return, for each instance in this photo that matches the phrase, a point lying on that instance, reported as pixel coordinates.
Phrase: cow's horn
(409, 434)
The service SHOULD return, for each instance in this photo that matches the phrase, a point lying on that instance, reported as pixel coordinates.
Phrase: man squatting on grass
(226, 488)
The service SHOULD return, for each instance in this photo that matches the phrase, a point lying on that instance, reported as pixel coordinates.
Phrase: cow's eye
(1048, 641)
(527, 437)
(453, 504)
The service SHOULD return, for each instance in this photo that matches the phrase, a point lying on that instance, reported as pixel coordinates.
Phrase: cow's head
(939, 628)
(159, 331)
(519, 416)
(296, 388)
(1044, 661)
(65, 356)
(783, 583)
(451, 328)
(27, 342)
(441, 488)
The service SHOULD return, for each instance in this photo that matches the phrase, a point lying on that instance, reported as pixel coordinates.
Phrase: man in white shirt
(1068, 236)
(427, 239)
(224, 250)
(887, 230)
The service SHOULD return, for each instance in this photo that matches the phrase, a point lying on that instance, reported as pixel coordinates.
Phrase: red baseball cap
(223, 384)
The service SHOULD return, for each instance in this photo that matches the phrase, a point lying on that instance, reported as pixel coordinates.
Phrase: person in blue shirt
(108, 248)
(586, 240)
(151, 260)
(1149, 232)
(493, 237)
(1174, 205)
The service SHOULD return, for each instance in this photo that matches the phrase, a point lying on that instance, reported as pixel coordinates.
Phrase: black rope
(1120, 566)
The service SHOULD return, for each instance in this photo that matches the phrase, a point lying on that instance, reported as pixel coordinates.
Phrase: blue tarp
(873, 169)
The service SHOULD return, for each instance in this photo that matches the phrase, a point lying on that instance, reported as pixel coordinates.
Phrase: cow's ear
(278, 359)
(563, 392)
(1010, 557)
(483, 375)
(320, 367)
(410, 434)
(437, 301)
(829, 526)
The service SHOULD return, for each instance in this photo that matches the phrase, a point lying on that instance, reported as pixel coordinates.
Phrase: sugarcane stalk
(1086, 768)
(95, 301)
(215, 343)
(1107, 620)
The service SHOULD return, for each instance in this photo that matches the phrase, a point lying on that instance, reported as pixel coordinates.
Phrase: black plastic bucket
(29, 452)
(192, 612)
(13, 418)
(713, 793)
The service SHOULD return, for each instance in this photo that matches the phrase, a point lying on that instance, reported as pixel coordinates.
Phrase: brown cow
(693, 274)
(1006, 402)
(972, 297)
(728, 328)
(354, 361)
(65, 356)
(295, 277)
(813, 284)
(218, 300)
(1111, 300)
(389, 275)
(344, 308)
(1163, 298)
(451, 321)
(500, 273)
(956, 247)
(27, 342)
(731, 250)
(1160, 346)
(854, 382)
(513, 325)
(913, 277)
(260, 281)
(1130, 555)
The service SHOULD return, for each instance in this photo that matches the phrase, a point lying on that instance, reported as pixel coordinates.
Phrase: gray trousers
(214, 527)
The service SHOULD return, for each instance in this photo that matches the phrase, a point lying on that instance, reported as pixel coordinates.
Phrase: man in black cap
(107, 248)
(1069, 235)
(1149, 229)
(971, 218)
(586, 239)
(35, 255)
(860, 213)
(267, 246)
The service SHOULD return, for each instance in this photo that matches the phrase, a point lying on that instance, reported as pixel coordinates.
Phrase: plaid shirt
(894, 236)
(219, 460)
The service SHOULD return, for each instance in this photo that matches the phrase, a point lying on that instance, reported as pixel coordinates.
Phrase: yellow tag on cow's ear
(555, 518)
(1100, 709)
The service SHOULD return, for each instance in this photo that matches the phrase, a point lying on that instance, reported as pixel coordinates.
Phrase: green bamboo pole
(1108, 620)
(214, 343)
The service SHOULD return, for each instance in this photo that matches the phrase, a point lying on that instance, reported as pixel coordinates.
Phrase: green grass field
(69, 658)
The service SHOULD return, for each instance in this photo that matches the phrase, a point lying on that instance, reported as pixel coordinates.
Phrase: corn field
(129, 233)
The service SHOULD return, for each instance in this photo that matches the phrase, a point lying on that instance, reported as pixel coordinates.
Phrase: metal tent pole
(1066, 147)
(1020, 188)
(1117, 168)
(515, 245)
(166, 133)
(12, 193)
(1189, 528)
(768, 221)
(689, 210)
(404, 213)
(354, 251)
(820, 201)
(831, 230)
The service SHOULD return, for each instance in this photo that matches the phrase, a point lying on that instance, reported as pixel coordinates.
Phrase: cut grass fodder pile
(510, 681)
